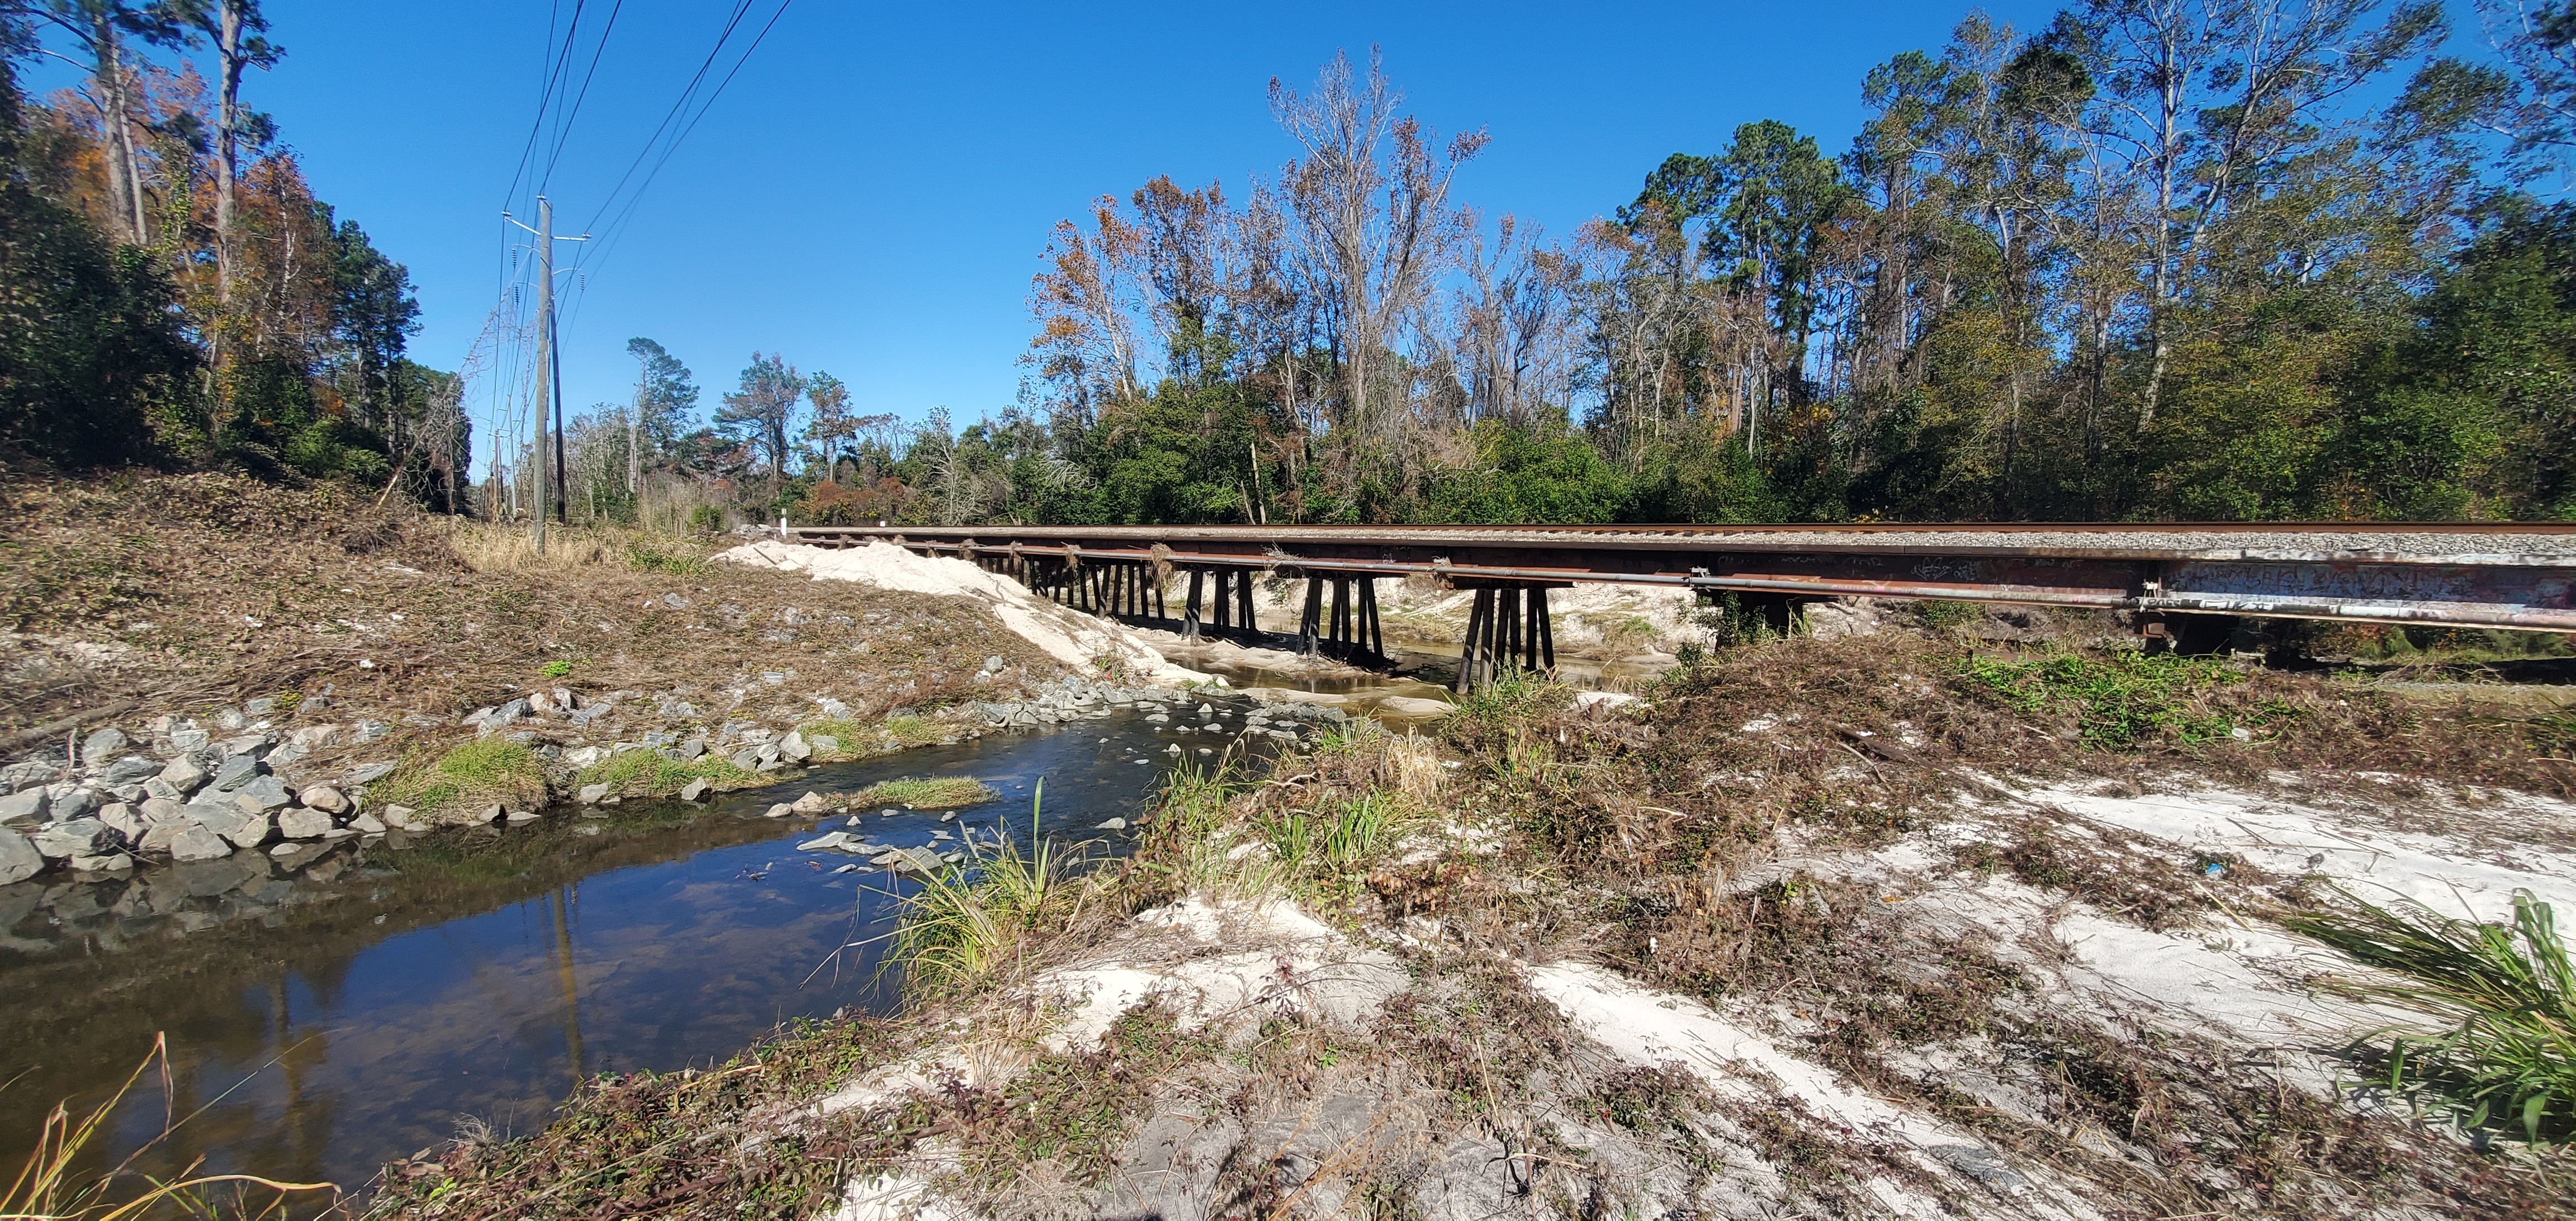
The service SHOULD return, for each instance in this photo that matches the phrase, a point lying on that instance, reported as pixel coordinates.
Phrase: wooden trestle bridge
(2519, 576)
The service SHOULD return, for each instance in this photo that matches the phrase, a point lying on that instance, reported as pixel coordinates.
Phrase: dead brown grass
(191, 592)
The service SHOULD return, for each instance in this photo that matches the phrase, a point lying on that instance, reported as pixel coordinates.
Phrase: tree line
(2161, 259)
(2158, 259)
(171, 291)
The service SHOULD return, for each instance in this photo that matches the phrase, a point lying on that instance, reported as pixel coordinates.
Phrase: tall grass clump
(979, 917)
(474, 772)
(49, 1187)
(1333, 842)
(2505, 994)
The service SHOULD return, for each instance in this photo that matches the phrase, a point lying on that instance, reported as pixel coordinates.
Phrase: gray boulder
(592, 794)
(693, 790)
(184, 774)
(250, 832)
(324, 798)
(303, 824)
(77, 837)
(132, 769)
(748, 760)
(102, 745)
(27, 808)
(690, 751)
(163, 812)
(263, 794)
(74, 804)
(19, 859)
(198, 844)
(238, 770)
(124, 819)
(367, 824)
(793, 747)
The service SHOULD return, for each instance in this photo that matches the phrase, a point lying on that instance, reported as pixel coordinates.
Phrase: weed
(653, 555)
(1193, 844)
(2120, 699)
(2506, 992)
(1941, 615)
(474, 772)
(945, 793)
(557, 668)
(1061, 1121)
(2552, 733)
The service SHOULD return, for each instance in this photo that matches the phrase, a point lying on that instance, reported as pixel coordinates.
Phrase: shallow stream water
(326, 1015)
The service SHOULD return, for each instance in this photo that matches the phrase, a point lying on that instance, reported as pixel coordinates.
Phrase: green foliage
(557, 668)
(1543, 475)
(2505, 995)
(92, 359)
(2120, 700)
(1941, 615)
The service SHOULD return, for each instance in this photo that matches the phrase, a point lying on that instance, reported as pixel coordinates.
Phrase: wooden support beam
(1306, 619)
(1546, 632)
(1476, 613)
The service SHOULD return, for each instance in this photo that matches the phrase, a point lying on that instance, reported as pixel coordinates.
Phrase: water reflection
(325, 1015)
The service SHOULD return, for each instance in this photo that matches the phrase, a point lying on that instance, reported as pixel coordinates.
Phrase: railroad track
(2454, 574)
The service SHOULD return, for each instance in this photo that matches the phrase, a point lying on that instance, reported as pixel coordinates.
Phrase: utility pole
(545, 359)
(549, 373)
(634, 442)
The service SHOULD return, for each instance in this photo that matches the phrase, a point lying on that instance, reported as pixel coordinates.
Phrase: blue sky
(872, 194)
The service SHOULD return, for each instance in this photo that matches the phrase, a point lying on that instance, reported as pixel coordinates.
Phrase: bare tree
(1371, 205)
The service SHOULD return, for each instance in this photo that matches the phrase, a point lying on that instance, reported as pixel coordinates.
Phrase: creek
(326, 1015)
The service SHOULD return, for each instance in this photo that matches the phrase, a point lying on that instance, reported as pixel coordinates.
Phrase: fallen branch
(61, 724)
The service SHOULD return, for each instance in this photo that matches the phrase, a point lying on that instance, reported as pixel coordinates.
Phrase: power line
(565, 132)
(617, 227)
(740, 9)
(545, 96)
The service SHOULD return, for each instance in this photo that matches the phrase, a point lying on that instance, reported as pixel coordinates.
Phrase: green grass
(2553, 733)
(1941, 614)
(653, 557)
(2504, 994)
(976, 918)
(477, 771)
(909, 731)
(944, 793)
(1335, 842)
(646, 773)
(2120, 700)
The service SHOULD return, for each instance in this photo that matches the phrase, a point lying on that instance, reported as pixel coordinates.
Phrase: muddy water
(326, 1015)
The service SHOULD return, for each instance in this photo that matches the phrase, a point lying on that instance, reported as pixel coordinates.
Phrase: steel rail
(2518, 576)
